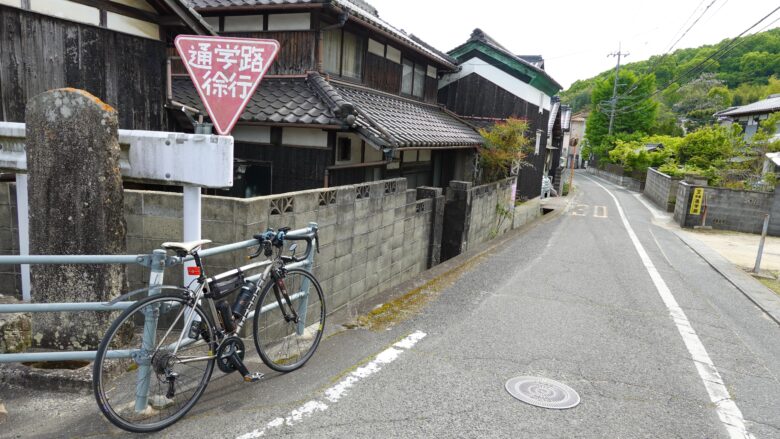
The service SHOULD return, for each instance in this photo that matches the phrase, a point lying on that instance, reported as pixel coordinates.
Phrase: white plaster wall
(304, 137)
(132, 26)
(356, 149)
(502, 79)
(300, 21)
(138, 4)
(251, 134)
(67, 10)
(239, 23)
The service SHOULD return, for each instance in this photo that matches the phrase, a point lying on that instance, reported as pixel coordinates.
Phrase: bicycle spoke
(119, 382)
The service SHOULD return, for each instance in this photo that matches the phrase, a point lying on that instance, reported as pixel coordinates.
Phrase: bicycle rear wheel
(283, 344)
(140, 384)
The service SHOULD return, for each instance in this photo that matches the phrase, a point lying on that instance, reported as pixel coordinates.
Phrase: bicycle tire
(278, 342)
(112, 375)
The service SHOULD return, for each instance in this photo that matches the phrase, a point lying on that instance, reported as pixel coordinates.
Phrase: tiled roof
(288, 100)
(383, 119)
(388, 120)
(515, 62)
(357, 8)
(204, 4)
(769, 105)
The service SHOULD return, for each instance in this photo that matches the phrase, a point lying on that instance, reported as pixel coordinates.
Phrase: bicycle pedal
(253, 378)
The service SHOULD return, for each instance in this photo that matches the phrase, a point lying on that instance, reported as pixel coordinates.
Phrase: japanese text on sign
(226, 72)
(696, 202)
(215, 62)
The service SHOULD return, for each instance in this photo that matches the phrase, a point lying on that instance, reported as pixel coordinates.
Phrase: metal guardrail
(157, 261)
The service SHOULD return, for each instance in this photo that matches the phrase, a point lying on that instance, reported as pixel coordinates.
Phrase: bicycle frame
(150, 323)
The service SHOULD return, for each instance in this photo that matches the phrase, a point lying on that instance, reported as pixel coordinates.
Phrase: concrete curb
(763, 297)
(433, 274)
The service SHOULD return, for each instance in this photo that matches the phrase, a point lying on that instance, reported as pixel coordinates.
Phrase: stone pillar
(457, 219)
(437, 222)
(76, 207)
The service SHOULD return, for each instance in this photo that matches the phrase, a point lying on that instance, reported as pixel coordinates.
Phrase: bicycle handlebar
(276, 238)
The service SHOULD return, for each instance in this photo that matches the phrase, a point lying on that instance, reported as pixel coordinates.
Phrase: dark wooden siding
(475, 96)
(297, 51)
(39, 53)
(382, 74)
(293, 169)
(431, 89)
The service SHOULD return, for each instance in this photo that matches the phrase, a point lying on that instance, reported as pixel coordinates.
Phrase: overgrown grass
(411, 303)
(772, 284)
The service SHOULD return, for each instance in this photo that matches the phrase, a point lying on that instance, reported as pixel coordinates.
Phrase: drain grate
(543, 392)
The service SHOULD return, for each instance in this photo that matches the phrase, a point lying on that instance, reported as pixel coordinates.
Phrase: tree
(710, 146)
(506, 144)
(635, 109)
(699, 99)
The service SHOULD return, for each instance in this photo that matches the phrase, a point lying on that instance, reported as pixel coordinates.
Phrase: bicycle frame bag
(222, 285)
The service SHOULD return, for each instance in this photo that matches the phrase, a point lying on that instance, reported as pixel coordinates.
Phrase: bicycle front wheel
(144, 379)
(285, 343)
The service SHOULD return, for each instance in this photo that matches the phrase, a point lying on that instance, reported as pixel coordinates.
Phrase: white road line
(727, 409)
(333, 394)
(657, 213)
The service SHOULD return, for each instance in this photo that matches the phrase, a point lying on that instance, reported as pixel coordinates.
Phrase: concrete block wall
(661, 189)
(10, 281)
(526, 212)
(491, 211)
(727, 209)
(373, 236)
(620, 180)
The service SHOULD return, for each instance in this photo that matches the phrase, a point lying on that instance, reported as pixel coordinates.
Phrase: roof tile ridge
(332, 98)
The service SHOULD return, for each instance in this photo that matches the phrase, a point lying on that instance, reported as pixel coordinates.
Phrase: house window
(343, 53)
(413, 79)
(345, 149)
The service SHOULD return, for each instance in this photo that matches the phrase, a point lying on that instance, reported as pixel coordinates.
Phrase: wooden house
(493, 84)
(116, 50)
(349, 99)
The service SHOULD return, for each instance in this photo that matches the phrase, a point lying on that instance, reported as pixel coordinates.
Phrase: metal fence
(157, 262)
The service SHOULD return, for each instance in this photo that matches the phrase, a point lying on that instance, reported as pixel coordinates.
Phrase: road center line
(727, 409)
(333, 394)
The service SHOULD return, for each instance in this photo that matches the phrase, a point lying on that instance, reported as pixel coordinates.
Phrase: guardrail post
(303, 306)
(150, 332)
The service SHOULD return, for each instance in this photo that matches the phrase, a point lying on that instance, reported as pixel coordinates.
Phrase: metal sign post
(226, 72)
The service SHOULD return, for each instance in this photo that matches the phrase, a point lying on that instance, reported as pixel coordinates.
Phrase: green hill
(738, 73)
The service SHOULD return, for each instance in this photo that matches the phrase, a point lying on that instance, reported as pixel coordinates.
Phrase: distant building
(493, 84)
(750, 116)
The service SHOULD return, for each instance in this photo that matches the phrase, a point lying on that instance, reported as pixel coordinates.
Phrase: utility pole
(618, 54)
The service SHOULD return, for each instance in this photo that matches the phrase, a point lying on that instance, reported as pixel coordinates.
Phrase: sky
(575, 36)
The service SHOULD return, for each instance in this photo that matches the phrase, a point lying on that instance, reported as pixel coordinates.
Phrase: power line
(692, 25)
(653, 68)
(721, 52)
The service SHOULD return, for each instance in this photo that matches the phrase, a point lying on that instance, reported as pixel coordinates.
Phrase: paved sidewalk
(740, 248)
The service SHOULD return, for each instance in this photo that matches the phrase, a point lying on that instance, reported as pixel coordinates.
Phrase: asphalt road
(657, 347)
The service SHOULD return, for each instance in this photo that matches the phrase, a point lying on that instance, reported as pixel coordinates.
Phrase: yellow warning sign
(696, 202)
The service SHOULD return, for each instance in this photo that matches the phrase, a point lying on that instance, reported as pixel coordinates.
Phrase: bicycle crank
(230, 356)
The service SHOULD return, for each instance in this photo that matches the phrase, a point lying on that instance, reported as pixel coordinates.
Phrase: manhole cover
(543, 392)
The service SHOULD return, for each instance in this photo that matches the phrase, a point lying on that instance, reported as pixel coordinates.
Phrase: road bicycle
(157, 357)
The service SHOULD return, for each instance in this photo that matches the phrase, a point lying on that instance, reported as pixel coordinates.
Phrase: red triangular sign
(226, 72)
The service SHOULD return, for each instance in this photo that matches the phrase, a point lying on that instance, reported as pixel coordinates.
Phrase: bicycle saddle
(184, 247)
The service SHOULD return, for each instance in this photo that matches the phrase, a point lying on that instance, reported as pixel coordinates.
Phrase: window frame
(359, 39)
(415, 66)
